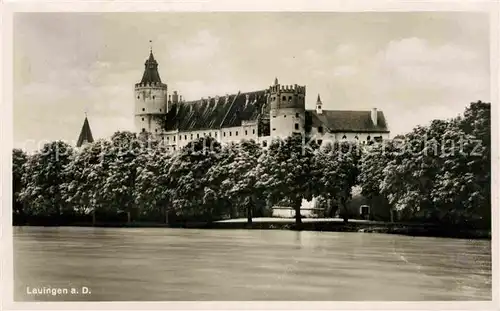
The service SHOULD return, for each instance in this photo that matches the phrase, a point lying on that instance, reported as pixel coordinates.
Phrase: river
(158, 264)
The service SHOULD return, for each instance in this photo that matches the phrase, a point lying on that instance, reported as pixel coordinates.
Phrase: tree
(43, 179)
(151, 184)
(286, 172)
(86, 174)
(374, 159)
(19, 158)
(238, 176)
(192, 193)
(336, 167)
(119, 186)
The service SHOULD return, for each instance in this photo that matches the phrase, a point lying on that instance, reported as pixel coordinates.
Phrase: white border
(9, 7)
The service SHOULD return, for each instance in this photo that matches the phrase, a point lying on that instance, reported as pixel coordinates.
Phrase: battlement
(296, 89)
(150, 84)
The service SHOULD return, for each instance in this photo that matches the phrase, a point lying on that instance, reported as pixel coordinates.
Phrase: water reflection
(180, 264)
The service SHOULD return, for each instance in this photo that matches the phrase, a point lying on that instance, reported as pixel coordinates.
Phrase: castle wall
(326, 137)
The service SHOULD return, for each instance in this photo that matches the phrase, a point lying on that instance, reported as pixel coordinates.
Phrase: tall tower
(150, 99)
(287, 109)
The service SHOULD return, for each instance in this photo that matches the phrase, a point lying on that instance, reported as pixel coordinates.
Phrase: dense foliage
(436, 173)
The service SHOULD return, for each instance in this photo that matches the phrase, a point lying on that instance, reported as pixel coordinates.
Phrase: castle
(275, 112)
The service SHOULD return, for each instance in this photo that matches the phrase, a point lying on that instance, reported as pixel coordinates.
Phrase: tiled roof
(206, 114)
(85, 134)
(150, 74)
(348, 121)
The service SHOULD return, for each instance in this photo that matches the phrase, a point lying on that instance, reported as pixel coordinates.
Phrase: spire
(85, 134)
(151, 74)
(318, 101)
(276, 81)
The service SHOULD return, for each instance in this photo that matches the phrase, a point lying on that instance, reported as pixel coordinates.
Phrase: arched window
(143, 130)
(143, 109)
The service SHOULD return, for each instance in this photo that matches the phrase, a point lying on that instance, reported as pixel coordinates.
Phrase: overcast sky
(414, 66)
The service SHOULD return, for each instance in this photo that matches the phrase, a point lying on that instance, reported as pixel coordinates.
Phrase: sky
(414, 66)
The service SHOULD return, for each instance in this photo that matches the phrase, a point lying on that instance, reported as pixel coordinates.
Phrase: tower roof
(85, 134)
(318, 100)
(150, 74)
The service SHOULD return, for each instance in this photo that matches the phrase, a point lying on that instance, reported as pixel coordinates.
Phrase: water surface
(118, 264)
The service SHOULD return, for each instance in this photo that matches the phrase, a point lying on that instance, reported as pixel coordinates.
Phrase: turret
(287, 109)
(151, 99)
(319, 106)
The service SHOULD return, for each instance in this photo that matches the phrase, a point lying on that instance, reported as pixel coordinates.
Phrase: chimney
(374, 116)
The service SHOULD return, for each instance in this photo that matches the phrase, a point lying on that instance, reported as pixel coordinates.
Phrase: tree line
(436, 173)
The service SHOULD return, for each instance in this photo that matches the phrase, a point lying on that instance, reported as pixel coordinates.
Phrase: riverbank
(308, 224)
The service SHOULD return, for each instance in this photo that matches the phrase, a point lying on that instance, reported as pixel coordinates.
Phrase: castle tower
(151, 101)
(85, 134)
(287, 109)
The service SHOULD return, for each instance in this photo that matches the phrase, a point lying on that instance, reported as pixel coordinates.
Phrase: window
(138, 97)
(142, 119)
(344, 137)
(296, 126)
(185, 137)
(297, 115)
(143, 130)
(180, 137)
(253, 131)
(191, 136)
(274, 129)
(356, 137)
(173, 148)
(143, 109)
(289, 97)
(246, 132)
(274, 116)
(215, 134)
(156, 130)
(174, 138)
(230, 133)
(264, 143)
(368, 137)
(197, 135)
(284, 116)
(236, 134)
(320, 129)
(204, 134)
(154, 97)
(319, 141)
(162, 138)
(210, 134)
(284, 97)
(168, 138)
(224, 133)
